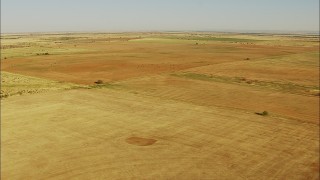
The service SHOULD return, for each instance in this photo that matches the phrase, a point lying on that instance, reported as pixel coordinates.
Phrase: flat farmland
(169, 106)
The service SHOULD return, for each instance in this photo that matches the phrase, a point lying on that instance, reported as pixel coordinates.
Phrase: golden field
(170, 106)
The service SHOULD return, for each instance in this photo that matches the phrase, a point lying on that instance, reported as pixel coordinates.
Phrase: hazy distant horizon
(174, 31)
(244, 16)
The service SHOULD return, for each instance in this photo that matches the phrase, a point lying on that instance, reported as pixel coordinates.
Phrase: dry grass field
(169, 106)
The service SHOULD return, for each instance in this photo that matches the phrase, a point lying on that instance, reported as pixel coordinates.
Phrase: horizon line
(309, 32)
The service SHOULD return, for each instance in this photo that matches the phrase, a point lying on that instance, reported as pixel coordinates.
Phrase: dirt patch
(138, 141)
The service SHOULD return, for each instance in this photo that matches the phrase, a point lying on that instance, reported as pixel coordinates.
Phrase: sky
(158, 15)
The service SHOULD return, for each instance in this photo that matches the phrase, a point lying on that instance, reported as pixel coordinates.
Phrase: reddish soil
(121, 61)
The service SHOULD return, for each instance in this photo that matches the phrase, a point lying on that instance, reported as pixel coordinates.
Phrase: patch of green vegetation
(205, 77)
(210, 38)
(287, 87)
(16, 84)
(62, 38)
(161, 40)
(193, 76)
(37, 51)
(315, 54)
(308, 59)
(9, 37)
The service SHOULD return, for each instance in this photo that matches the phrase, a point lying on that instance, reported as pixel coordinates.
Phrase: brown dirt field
(120, 61)
(169, 107)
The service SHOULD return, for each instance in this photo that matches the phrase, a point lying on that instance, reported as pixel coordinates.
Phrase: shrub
(264, 113)
(99, 82)
(242, 79)
(38, 54)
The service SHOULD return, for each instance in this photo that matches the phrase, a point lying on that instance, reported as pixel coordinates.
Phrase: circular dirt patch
(138, 141)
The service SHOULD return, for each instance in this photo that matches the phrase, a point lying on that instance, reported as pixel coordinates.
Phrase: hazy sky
(160, 15)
